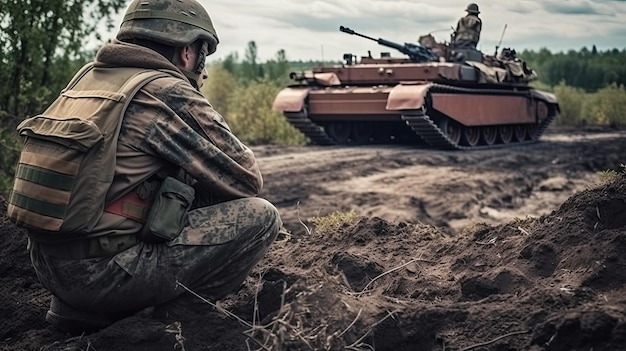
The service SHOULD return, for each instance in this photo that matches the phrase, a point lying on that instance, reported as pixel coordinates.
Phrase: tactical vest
(67, 162)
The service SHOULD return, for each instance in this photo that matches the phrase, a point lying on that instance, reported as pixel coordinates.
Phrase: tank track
(426, 128)
(316, 133)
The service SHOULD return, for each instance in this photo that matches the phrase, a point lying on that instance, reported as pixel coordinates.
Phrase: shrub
(571, 101)
(608, 106)
(252, 119)
(10, 145)
(219, 87)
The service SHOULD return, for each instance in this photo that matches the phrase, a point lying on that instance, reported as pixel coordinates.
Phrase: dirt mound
(555, 282)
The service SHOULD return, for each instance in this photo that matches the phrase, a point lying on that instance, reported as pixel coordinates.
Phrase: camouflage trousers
(211, 257)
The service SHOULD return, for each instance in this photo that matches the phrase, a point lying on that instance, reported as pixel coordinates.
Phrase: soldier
(468, 28)
(180, 210)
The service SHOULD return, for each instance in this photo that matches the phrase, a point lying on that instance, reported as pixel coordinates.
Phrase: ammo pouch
(168, 213)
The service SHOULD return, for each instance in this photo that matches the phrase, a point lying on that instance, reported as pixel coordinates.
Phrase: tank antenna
(439, 30)
(500, 42)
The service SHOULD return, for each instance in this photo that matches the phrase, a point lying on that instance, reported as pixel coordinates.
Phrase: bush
(252, 119)
(247, 108)
(608, 106)
(219, 87)
(605, 107)
(10, 145)
(572, 103)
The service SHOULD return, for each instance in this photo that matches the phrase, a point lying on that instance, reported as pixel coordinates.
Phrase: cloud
(576, 7)
(309, 29)
(523, 7)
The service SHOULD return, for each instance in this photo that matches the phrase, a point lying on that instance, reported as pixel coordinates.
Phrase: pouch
(168, 214)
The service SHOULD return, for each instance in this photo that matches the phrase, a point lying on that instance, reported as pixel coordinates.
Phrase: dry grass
(608, 176)
(334, 221)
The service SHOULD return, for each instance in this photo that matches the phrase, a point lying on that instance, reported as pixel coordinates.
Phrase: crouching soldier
(132, 186)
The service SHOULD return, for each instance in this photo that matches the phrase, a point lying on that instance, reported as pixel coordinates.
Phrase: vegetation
(586, 69)
(243, 91)
(609, 176)
(332, 222)
(606, 106)
(589, 84)
(42, 44)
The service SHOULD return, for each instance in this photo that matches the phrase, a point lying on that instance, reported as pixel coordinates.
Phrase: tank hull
(443, 116)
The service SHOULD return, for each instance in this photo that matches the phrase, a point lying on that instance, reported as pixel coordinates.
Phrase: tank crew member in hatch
(468, 28)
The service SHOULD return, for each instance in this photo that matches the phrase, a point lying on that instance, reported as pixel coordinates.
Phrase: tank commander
(174, 208)
(468, 28)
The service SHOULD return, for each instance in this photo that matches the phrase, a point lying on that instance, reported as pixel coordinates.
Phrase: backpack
(68, 158)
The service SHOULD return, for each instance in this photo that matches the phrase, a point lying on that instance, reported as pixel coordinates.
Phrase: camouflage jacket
(169, 124)
(468, 30)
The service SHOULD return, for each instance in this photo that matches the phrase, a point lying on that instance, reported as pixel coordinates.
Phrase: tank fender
(290, 99)
(547, 97)
(407, 96)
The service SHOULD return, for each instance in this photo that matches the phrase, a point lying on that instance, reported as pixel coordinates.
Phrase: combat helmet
(174, 23)
(472, 8)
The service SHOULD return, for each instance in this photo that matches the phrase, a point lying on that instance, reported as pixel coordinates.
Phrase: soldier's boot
(183, 308)
(69, 319)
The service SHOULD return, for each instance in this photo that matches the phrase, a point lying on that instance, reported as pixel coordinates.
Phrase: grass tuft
(334, 221)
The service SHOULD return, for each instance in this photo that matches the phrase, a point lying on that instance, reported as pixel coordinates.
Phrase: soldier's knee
(265, 210)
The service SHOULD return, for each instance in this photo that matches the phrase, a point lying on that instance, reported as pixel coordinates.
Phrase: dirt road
(449, 189)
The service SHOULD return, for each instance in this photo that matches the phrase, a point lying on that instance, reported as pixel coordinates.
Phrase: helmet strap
(201, 57)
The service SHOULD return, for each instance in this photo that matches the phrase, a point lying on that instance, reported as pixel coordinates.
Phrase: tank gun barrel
(380, 41)
(415, 52)
(351, 32)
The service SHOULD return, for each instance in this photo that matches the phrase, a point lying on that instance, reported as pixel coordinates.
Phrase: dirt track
(449, 189)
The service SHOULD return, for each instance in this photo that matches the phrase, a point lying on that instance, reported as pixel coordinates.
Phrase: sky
(309, 29)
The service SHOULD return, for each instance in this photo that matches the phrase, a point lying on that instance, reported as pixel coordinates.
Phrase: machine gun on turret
(416, 53)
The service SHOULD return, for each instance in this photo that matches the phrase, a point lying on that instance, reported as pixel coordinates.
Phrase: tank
(434, 93)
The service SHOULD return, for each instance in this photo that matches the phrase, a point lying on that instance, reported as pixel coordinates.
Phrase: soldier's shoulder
(167, 85)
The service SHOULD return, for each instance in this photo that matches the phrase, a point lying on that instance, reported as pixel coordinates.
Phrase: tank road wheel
(451, 129)
(505, 134)
(489, 134)
(363, 132)
(339, 131)
(532, 130)
(471, 136)
(382, 133)
(520, 132)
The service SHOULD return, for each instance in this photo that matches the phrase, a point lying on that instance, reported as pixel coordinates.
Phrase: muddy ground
(505, 249)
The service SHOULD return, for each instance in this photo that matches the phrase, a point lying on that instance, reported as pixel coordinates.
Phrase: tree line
(586, 69)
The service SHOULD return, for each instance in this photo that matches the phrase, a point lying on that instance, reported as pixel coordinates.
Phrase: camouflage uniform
(468, 29)
(167, 124)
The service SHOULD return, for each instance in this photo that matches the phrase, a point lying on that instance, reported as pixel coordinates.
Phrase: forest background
(42, 44)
